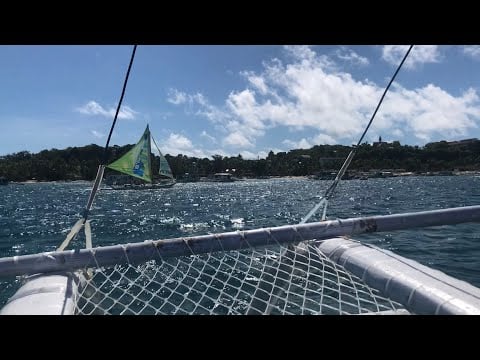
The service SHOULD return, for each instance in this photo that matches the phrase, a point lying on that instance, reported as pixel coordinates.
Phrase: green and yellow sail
(136, 162)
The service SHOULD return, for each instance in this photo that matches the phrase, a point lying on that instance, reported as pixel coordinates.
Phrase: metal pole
(138, 252)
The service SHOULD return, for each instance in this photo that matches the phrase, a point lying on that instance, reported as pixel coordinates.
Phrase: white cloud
(432, 111)
(248, 155)
(237, 139)
(97, 134)
(256, 81)
(220, 152)
(305, 54)
(277, 150)
(179, 141)
(262, 154)
(208, 136)
(420, 54)
(211, 112)
(94, 108)
(397, 133)
(243, 106)
(302, 144)
(176, 97)
(473, 51)
(323, 139)
(308, 93)
(205, 109)
(301, 52)
(319, 139)
(179, 144)
(351, 56)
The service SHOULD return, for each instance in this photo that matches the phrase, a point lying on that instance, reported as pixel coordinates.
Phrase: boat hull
(140, 186)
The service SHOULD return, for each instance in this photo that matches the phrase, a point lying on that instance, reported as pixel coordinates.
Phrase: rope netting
(268, 280)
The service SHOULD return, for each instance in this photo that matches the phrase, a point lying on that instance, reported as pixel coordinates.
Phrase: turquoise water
(37, 217)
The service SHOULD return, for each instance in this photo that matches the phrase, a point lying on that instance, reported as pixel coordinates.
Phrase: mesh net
(270, 280)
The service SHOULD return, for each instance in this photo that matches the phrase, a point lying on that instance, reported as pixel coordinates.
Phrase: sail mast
(150, 155)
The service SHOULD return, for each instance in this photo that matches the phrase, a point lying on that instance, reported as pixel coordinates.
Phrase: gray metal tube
(420, 289)
(137, 252)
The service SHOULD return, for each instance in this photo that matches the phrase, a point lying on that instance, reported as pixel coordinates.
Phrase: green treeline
(75, 163)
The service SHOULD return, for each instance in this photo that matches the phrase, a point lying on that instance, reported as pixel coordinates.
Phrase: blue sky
(230, 100)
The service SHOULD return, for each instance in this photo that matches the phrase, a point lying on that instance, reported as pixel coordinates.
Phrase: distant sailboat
(137, 166)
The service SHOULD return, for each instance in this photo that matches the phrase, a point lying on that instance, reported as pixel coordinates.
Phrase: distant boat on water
(137, 166)
(223, 177)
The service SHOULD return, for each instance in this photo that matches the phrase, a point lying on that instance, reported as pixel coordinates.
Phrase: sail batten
(136, 162)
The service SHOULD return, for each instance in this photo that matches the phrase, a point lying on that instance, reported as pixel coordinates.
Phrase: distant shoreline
(311, 177)
(50, 182)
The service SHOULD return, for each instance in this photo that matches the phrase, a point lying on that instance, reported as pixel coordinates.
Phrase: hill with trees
(81, 163)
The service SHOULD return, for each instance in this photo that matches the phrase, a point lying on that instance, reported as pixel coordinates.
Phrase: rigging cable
(328, 194)
(99, 177)
(101, 168)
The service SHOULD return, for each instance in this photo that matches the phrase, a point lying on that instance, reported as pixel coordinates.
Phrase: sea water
(37, 217)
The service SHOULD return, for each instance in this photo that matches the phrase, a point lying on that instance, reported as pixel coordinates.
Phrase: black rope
(384, 93)
(99, 176)
(350, 156)
(344, 167)
(119, 105)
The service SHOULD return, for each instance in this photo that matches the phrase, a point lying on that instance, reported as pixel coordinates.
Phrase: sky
(229, 100)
